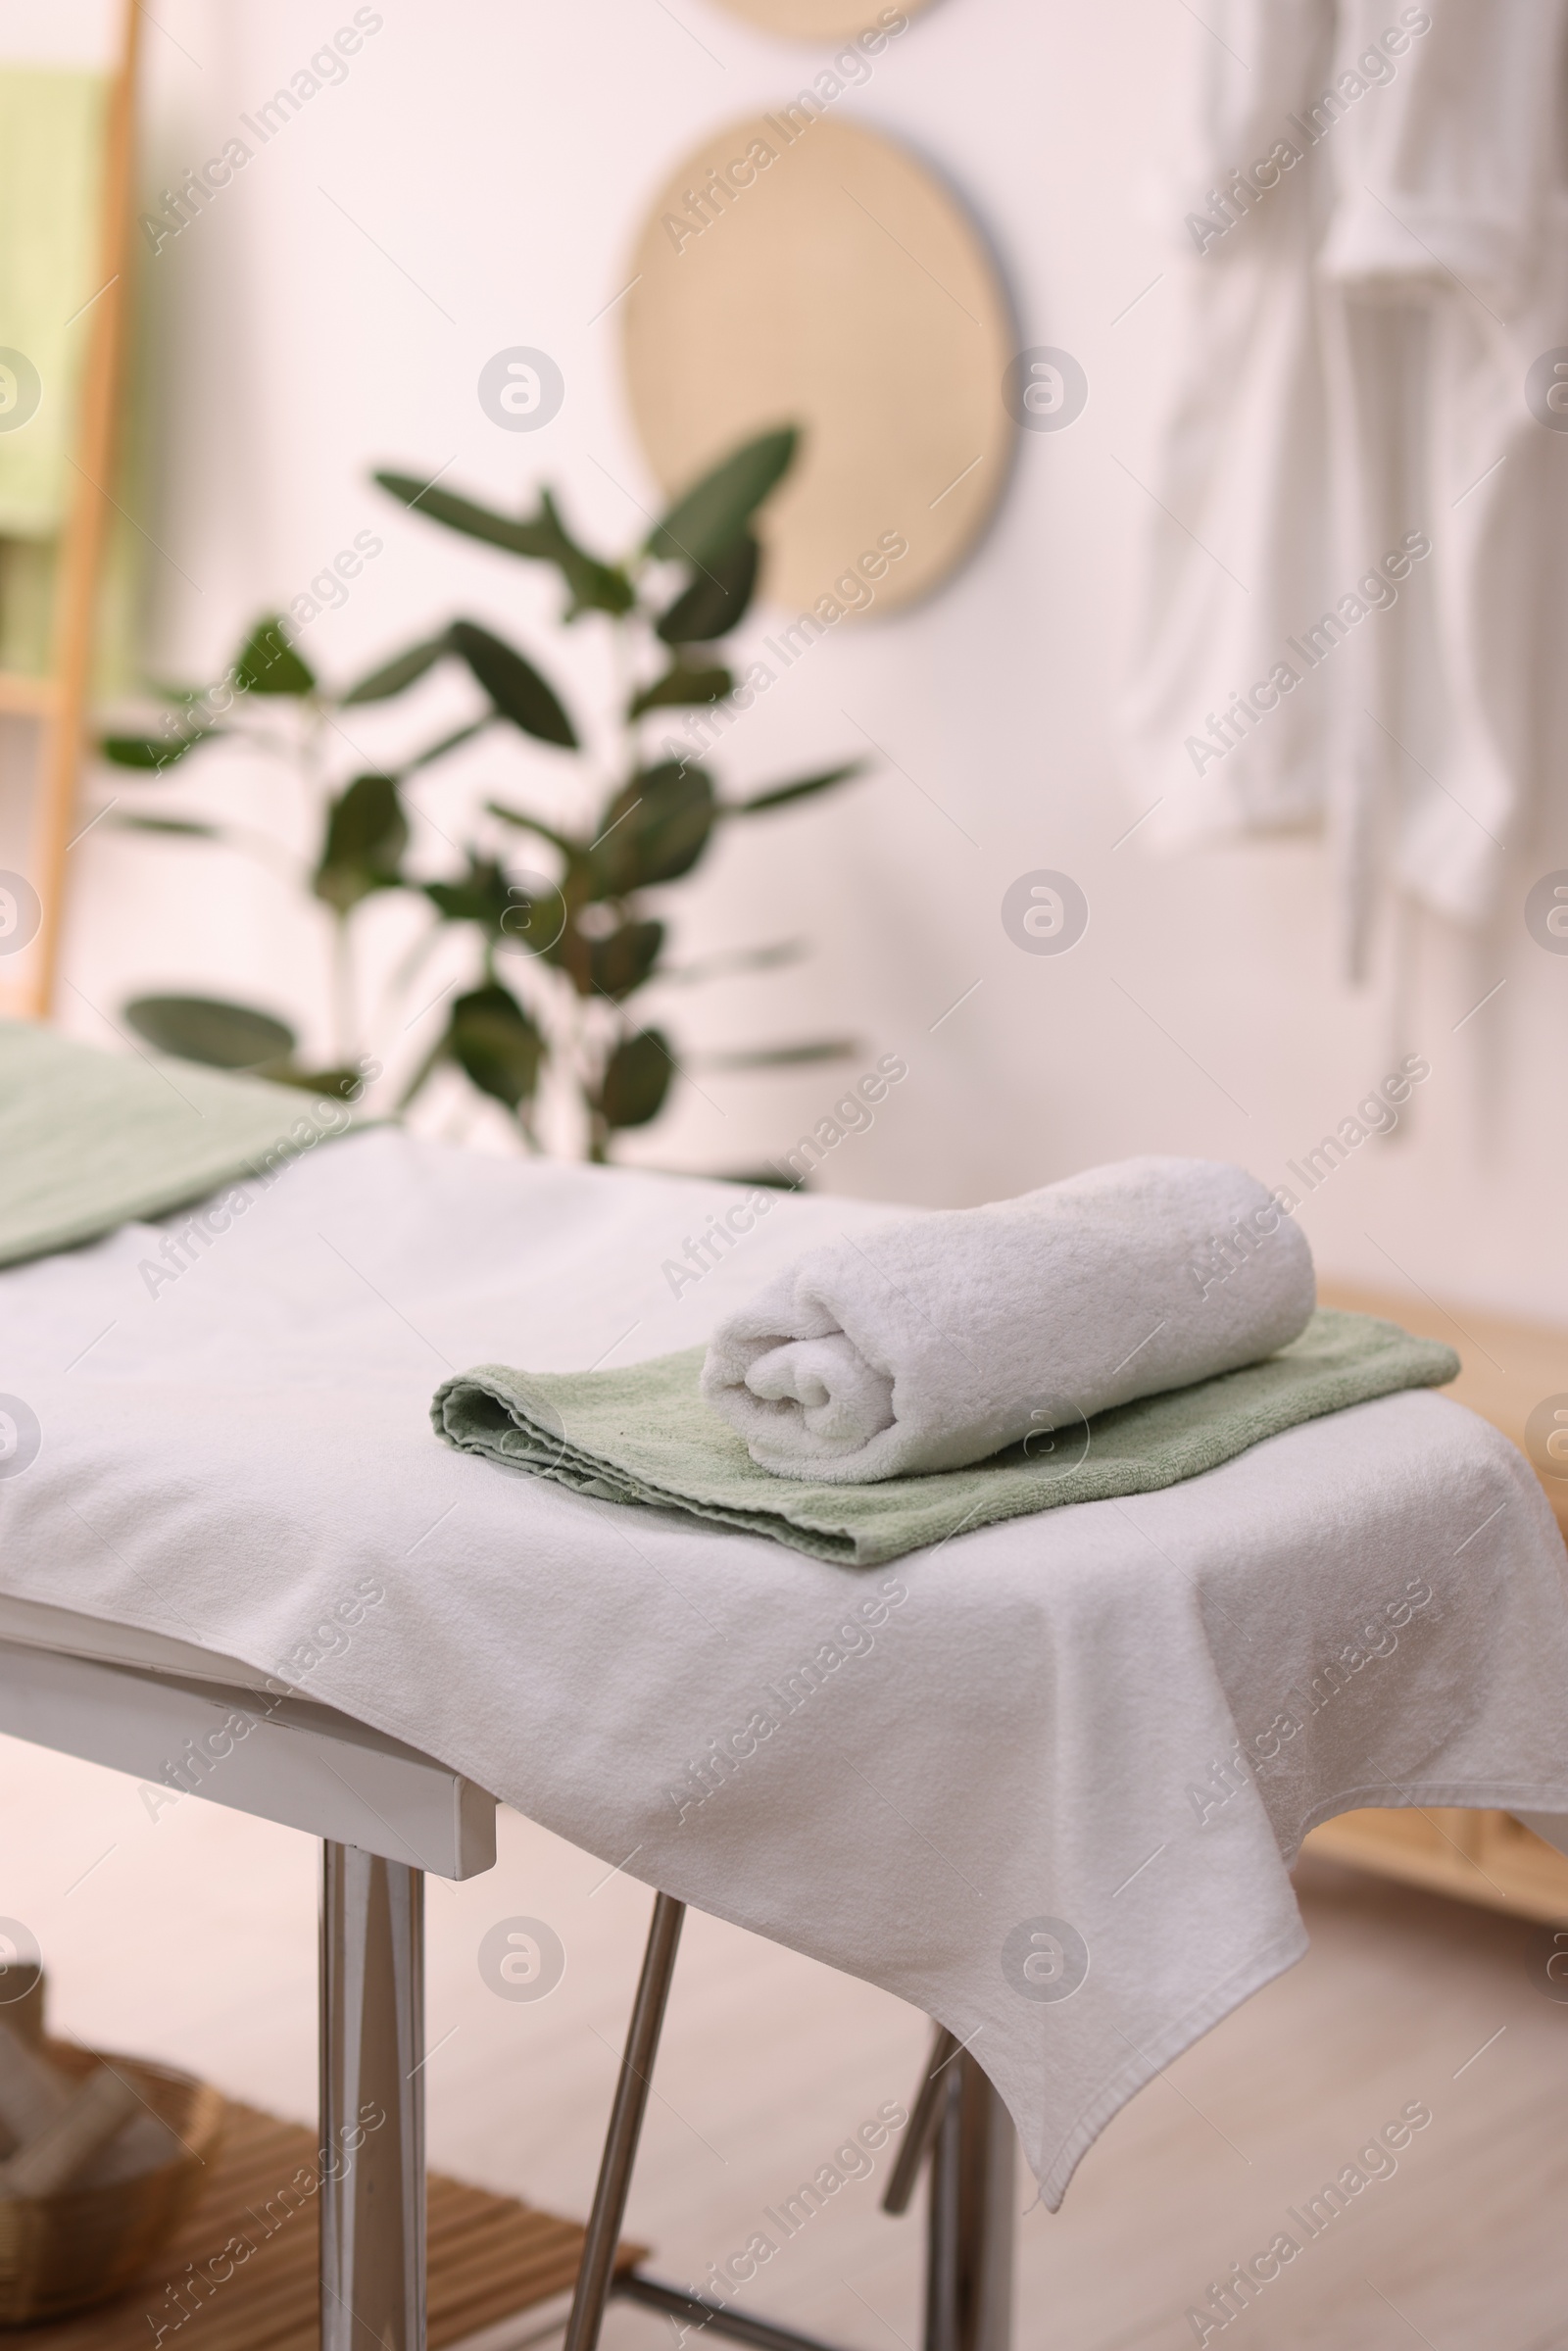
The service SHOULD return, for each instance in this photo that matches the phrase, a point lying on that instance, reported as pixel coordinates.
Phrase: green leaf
(781, 794)
(343, 1085)
(530, 824)
(716, 599)
(637, 1077)
(537, 918)
(439, 750)
(397, 675)
(784, 1056)
(483, 895)
(152, 753)
(206, 1028)
(678, 686)
(366, 834)
(514, 685)
(767, 1179)
(186, 828)
(268, 663)
(595, 586)
(654, 830)
(708, 519)
(466, 514)
(496, 1045)
(620, 964)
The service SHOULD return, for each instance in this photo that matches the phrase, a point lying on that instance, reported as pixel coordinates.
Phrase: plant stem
(343, 1006)
(584, 1057)
(406, 973)
(312, 739)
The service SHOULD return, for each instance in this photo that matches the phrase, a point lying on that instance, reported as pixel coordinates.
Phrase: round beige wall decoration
(822, 20)
(798, 269)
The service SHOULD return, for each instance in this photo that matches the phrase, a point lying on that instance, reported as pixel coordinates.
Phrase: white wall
(499, 152)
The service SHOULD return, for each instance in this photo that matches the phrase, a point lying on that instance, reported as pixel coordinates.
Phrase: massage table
(1042, 1780)
(385, 1815)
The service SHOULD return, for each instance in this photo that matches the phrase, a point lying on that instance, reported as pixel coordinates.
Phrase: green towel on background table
(89, 1140)
(645, 1435)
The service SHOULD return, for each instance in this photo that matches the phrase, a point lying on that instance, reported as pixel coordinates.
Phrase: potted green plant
(563, 947)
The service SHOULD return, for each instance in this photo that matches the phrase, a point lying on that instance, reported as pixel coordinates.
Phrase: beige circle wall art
(810, 271)
(818, 20)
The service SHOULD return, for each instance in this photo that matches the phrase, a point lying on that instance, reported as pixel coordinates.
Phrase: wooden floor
(191, 1937)
(253, 2241)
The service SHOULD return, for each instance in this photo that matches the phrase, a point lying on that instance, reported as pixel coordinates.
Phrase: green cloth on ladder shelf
(51, 201)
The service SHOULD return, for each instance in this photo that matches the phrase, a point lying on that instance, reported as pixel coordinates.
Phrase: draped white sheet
(1084, 1741)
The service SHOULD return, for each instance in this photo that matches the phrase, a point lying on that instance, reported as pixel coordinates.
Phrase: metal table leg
(969, 2218)
(372, 2102)
(597, 2272)
(596, 2279)
(925, 2120)
(958, 2122)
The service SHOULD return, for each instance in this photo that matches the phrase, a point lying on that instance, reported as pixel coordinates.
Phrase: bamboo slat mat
(489, 2257)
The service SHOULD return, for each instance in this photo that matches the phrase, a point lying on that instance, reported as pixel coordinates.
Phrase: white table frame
(385, 1815)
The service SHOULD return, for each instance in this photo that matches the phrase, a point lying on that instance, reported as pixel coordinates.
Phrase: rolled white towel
(936, 1340)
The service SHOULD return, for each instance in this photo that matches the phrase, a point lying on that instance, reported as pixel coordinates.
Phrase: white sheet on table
(224, 1461)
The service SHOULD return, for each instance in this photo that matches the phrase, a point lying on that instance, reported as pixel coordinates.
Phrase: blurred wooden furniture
(1485, 1857)
(74, 2245)
(241, 2272)
(817, 20)
(56, 704)
(1508, 1366)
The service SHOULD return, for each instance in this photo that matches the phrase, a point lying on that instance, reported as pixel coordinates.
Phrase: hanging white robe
(1373, 205)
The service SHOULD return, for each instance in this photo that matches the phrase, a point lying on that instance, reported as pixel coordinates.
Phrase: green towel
(645, 1435)
(27, 605)
(50, 182)
(53, 125)
(91, 1140)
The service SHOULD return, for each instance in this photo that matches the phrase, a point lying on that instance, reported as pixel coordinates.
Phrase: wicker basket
(60, 2253)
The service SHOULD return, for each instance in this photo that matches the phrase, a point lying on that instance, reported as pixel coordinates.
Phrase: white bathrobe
(1375, 513)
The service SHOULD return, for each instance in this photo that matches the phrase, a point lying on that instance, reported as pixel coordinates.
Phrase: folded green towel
(89, 1140)
(645, 1435)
